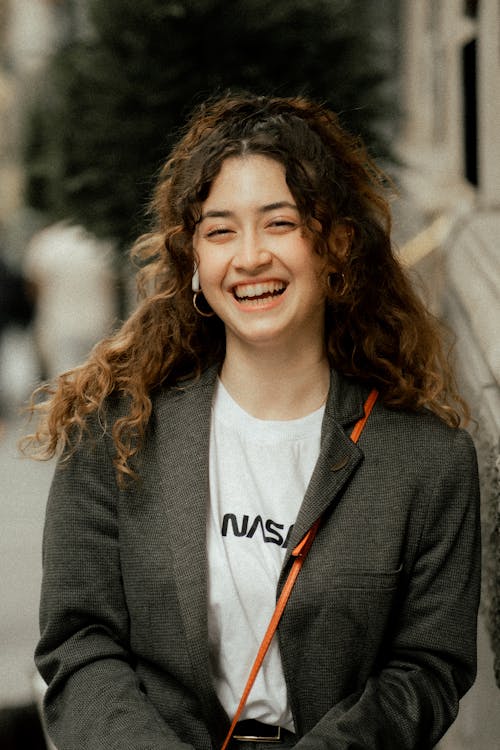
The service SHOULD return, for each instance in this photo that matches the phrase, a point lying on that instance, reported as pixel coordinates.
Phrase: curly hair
(377, 328)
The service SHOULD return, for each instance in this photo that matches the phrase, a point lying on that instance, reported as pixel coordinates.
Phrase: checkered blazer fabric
(378, 640)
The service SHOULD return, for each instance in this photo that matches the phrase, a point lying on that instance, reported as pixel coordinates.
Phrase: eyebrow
(219, 213)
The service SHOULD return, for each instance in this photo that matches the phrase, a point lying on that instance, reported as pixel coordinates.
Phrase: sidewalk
(478, 724)
(24, 485)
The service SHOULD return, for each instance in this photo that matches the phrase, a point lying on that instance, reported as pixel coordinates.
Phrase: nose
(252, 253)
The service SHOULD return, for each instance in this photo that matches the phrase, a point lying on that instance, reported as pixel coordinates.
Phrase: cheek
(212, 271)
(314, 268)
(317, 283)
(205, 262)
(208, 272)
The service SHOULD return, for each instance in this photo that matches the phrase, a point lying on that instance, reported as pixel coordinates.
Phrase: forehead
(250, 178)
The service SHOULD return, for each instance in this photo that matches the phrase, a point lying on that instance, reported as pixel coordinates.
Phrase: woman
(203, 440)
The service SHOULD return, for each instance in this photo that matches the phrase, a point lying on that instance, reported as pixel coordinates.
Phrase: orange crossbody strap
(300, 554)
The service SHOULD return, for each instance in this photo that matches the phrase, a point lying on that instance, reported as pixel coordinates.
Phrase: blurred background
(92, 95)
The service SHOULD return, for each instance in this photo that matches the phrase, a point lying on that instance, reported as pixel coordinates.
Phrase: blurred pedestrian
(16, 309)
(208, 440)
(72, 278)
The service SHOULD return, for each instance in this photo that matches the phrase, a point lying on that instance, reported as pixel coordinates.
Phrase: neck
(277, 385)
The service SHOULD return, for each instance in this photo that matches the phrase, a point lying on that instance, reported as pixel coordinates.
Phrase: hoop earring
(201, 312)
(341, 291)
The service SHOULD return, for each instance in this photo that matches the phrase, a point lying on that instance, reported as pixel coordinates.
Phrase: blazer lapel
(339, 456)
(183, 447)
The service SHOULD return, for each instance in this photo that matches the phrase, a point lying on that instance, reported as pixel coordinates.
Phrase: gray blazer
(378, 640)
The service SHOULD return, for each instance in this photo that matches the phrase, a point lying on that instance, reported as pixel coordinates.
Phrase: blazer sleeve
(94, 699)
(430, 661)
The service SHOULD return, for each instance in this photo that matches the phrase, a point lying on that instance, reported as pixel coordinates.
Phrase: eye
(218, 232)
(282, 224)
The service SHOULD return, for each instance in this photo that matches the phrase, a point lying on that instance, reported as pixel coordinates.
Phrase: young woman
(203, 440)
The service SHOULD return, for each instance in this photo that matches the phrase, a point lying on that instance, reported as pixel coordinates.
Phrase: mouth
(262, 291)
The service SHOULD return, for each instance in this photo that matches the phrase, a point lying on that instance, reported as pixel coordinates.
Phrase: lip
(272, 283)
(254, 301)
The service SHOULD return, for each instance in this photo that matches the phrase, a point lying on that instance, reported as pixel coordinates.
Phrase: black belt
(251, 730)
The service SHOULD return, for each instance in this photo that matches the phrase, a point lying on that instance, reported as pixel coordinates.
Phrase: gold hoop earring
(339, 292)
(201, 312)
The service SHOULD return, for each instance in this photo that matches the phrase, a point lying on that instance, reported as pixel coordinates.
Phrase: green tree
(110, 105)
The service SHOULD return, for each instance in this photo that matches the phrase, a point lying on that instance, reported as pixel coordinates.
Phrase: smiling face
(258, 269)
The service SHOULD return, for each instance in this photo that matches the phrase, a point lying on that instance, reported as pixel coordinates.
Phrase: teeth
(257, 290)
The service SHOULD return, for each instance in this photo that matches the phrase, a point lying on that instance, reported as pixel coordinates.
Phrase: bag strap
(299, 553)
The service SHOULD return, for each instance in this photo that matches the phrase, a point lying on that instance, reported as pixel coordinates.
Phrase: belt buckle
(254, 738)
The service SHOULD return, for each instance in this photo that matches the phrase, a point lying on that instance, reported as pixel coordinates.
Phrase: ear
(341, 240)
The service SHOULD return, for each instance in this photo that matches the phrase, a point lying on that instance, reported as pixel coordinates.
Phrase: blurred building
(30, 30)
(450, 147)
(76, 301)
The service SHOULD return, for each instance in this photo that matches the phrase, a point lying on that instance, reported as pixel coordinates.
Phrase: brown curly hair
(377, 328)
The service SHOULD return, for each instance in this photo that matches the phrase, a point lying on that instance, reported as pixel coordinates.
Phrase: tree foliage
(110, 105)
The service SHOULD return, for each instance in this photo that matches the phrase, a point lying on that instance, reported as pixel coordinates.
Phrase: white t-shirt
(259, 472)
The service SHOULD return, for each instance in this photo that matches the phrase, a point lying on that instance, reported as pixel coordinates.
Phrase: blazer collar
(338, 459)
(344, 404)
(346, 399)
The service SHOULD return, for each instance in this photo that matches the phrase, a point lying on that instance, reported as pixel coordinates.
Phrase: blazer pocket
(365, 579)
